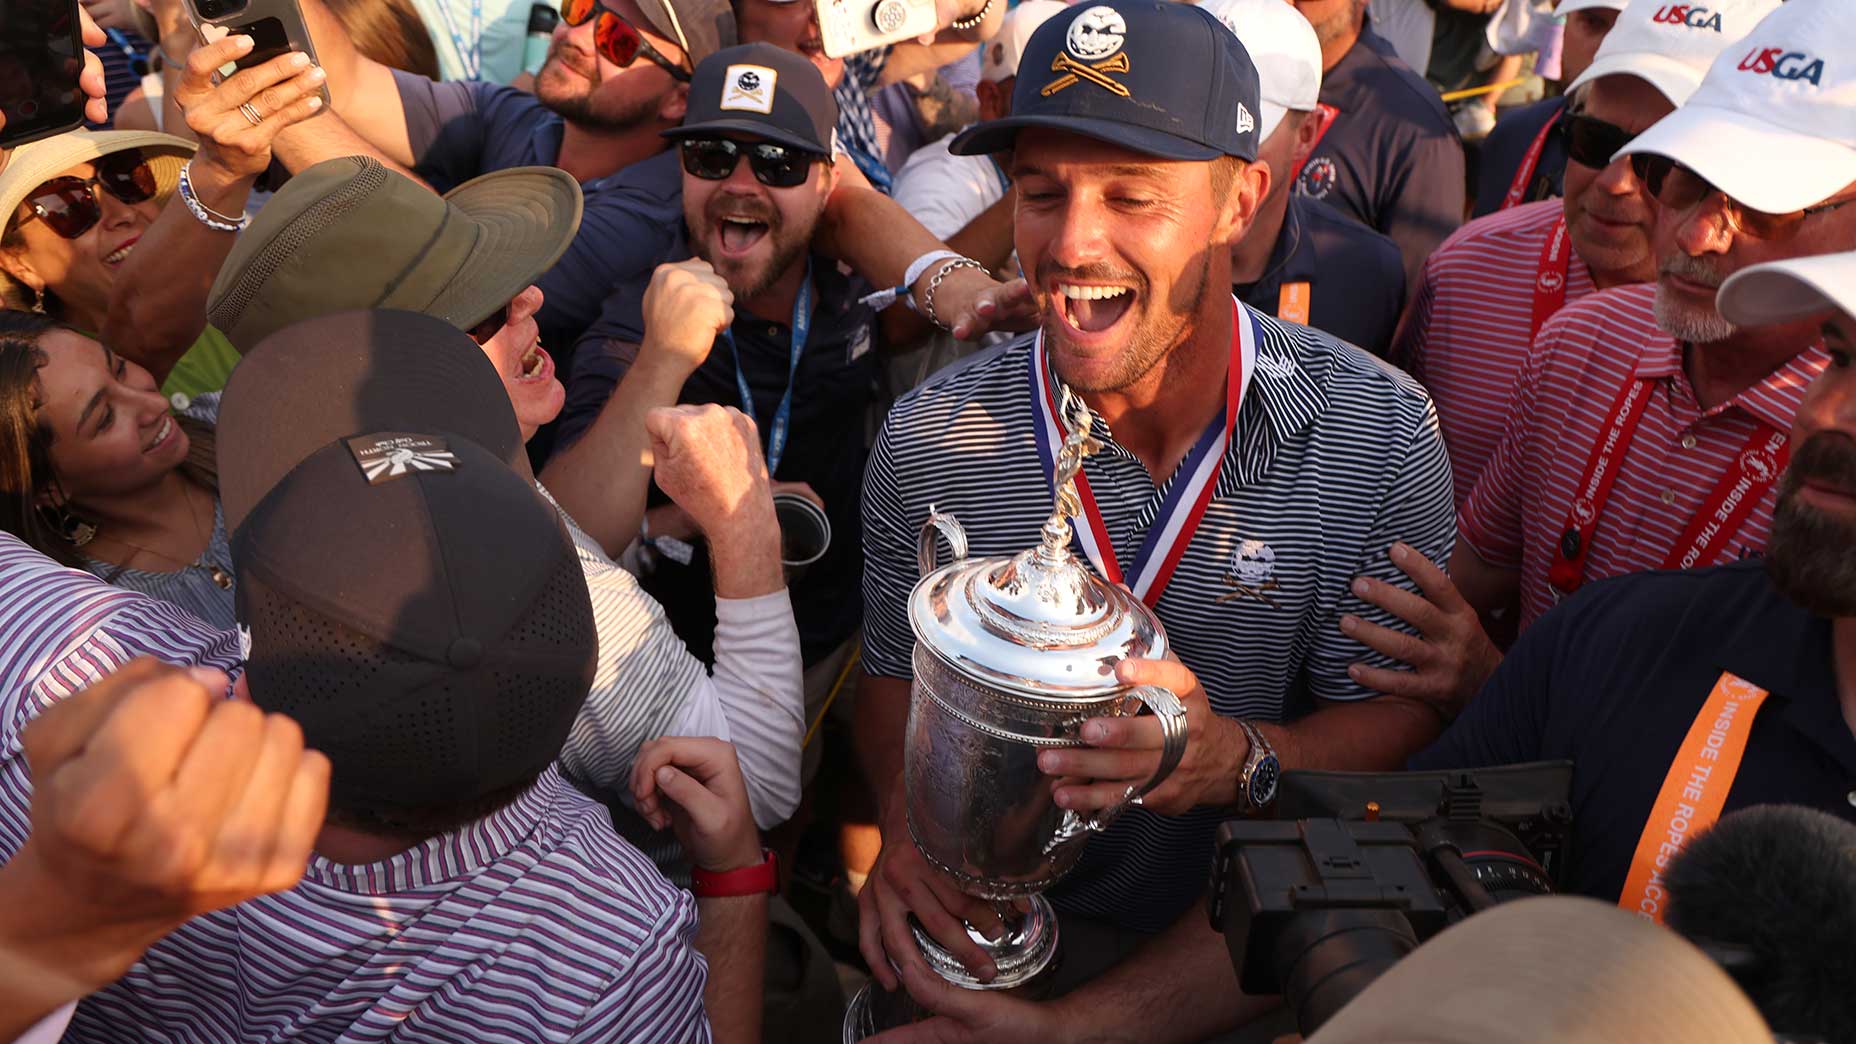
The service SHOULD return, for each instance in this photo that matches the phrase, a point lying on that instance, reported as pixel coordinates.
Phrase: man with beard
(1231, 490)
(617, 75)
(1644, 682)
(1387, 154)
(1646, 430)
(1487, 291)
(757, 321)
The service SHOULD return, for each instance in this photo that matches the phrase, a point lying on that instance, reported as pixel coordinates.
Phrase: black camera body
(1360, 868)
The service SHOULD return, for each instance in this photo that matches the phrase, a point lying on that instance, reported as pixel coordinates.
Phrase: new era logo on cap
(387, 455)
(748, 88)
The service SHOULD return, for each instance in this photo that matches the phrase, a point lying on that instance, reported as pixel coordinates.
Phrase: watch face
(1263, 779)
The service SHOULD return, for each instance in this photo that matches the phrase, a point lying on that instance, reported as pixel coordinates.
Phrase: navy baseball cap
(1163, 78)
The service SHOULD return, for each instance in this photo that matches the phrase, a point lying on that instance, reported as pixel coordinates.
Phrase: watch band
(761, 878)
(1259, 749)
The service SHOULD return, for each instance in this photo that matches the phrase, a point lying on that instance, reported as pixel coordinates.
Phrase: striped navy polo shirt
(1336, 456)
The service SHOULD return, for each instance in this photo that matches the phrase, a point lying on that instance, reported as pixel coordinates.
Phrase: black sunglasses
(69, 205)
(1591, 142)
(617, 40)
(775, 166)
(1681, 189)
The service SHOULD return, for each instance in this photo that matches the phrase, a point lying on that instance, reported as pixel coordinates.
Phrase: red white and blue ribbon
(1193, 485)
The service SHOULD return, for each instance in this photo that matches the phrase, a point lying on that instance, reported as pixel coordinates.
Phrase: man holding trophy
(1242, 482)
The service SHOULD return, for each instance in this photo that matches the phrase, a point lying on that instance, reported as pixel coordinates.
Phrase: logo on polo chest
(1684, 14)
(1784, 64)
(387, 455)
(1251, 575)
(1318, 178)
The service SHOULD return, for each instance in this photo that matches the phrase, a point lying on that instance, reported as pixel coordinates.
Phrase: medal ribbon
(1694, 791)
(1741, 489)
(1194, 481)
(1517, 189)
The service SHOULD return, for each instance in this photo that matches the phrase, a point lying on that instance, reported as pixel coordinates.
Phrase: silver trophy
(1012, 655)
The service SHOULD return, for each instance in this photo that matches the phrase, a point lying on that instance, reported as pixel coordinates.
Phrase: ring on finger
(251, 114)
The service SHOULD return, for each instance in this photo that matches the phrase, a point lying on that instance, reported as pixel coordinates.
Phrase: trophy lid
(1038, 623)
(1038, 627)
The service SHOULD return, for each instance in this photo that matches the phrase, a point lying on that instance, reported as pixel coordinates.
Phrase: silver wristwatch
(1256, 781)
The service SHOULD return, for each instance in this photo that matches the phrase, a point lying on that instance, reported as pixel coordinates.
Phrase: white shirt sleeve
(755, 700)
(946, 192)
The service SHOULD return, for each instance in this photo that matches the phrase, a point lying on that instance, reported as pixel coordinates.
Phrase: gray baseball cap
(700, 27)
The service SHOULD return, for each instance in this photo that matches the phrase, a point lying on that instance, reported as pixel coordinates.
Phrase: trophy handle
(944, 524)
(1171, 714)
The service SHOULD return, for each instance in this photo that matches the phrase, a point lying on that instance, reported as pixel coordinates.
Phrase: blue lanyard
(782, 417)
(471, 56)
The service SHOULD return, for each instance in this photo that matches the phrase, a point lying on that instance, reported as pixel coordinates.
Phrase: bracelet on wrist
(935, 285)
(763, 878)
(974, 19)
(206, 216)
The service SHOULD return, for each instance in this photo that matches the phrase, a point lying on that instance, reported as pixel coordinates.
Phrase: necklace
(219, 574)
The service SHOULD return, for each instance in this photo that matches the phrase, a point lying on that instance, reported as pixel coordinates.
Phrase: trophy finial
(1078, 444)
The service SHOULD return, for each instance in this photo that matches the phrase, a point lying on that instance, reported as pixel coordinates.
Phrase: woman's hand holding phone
(238, 118)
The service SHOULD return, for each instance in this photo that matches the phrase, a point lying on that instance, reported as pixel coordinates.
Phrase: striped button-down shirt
(1471, 326)
(535, 923)
(1561, 408)
(1336, 456)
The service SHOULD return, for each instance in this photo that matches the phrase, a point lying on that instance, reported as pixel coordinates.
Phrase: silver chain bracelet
(935, 284)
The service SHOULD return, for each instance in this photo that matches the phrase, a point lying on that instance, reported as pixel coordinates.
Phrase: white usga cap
(1286, 52)
(999, 57)
(1567, 7)
(1773, 124)
(1796, 288)
(1671, 46)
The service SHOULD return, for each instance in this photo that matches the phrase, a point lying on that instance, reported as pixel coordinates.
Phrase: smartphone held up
(41, 58)
(848, 26)
(276, 27)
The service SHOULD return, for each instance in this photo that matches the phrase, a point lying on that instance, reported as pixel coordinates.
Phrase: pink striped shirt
(1561, 406)
(1469, 328)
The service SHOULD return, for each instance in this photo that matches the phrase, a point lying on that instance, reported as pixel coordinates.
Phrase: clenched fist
(686, 307)
(708, 460)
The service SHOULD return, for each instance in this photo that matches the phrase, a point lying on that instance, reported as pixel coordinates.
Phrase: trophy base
(1025, 950)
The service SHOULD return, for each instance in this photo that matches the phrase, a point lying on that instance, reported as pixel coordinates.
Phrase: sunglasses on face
(69, 205)
(775, 166)
(1591, 142)
(617, 40)
(1681, 189)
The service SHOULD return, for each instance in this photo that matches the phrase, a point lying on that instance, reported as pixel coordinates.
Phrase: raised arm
(158, 300)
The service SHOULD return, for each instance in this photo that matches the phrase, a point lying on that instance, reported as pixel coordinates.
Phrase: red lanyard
(1725, 510)
(1550, 277)
(1324, 116)
(1517, 188)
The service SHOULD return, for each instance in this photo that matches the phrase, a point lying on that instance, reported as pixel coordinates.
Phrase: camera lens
(213, 10)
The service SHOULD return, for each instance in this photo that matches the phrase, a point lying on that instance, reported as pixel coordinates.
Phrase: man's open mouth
(1091, 307)
(739, 234)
